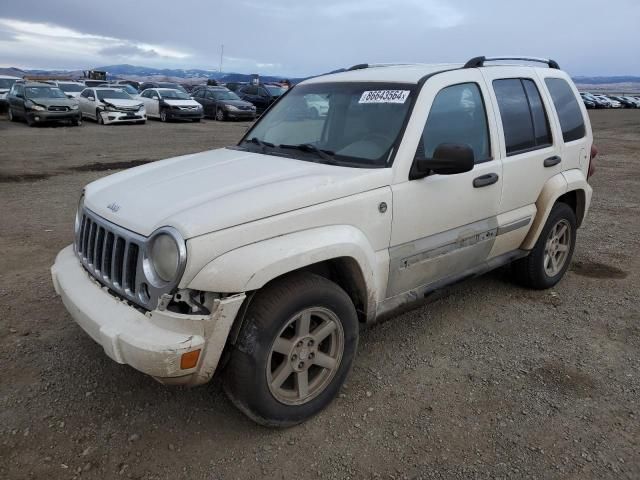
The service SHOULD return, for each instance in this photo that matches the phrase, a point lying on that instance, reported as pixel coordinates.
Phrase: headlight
(74, 107)
(167, 255)
(78, 223)
(38, 108)
(231, 107)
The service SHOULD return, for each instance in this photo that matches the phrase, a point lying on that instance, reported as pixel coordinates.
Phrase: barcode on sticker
(384, 96)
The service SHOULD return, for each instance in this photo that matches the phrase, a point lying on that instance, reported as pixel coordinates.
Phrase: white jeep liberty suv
(262, 260)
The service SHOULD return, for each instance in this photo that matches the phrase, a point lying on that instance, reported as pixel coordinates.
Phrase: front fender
(250, 267)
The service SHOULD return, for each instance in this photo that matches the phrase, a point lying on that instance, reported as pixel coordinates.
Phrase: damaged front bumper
(152, 342)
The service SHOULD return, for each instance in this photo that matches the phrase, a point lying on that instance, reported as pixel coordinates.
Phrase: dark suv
(222, 104)
(260, 95)
(41, 102)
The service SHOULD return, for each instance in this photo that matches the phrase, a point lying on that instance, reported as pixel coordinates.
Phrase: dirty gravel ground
(491, 381)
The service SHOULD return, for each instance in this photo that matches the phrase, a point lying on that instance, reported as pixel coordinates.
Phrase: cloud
(30, 39)
(128, 50)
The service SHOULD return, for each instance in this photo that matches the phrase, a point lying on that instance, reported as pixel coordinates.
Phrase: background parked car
(125, 87)
(37, 102)
(173, 86)
(6, 82)
(71, 89)
(169, 104)
(133, 83)
(625, 101)
(260, 95)
(222, 104)
(93, 83)
(111, 105)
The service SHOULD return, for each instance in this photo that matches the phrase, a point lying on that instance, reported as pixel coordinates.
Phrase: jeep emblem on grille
(114, 207)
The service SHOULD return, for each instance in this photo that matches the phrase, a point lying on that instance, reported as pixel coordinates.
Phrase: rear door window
(524, 119)
(569, 113)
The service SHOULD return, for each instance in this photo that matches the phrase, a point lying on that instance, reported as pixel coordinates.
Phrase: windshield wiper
(260, 143)
(326, 155)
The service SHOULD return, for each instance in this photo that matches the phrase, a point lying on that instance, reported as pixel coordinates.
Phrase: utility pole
(221, 55)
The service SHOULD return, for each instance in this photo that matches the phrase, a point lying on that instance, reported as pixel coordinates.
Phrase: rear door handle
(551, 161)
(485, 180)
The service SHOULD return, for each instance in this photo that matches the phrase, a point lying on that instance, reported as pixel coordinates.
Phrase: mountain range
(195, 75)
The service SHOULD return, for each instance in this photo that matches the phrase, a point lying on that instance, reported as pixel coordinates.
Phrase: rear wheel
(551, 255)
(294, 352)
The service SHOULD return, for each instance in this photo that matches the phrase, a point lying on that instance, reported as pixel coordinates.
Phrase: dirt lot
(492, 381)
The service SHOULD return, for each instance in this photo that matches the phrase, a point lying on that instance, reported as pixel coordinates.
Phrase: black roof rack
(479, 61)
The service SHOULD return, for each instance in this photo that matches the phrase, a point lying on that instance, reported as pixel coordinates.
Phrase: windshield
(6, 83)
(174, 86)
(275, 91)
(120, 94)
(71, 87)
(175, 94)
(44, 92)
(225, 95)
(127, 88)
(354, 124)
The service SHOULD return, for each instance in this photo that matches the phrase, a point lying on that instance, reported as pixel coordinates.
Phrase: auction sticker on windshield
(384, 96)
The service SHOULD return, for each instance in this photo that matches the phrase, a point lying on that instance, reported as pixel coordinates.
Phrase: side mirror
(91, 98)
(155, 97)
(448, 159)
(19, 95)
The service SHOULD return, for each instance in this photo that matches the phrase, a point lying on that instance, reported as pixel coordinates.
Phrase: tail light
(592, 163)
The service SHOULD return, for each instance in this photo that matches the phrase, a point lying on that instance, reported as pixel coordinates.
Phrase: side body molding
(553, 189)
(250, 267)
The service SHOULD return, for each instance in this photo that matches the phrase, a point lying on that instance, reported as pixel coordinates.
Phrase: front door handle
(485, 180)
(551, 161)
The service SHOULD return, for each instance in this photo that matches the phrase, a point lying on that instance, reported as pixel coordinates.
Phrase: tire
(163, 116)
(142, 122)
(78, 122)
(535, 270)
(273, 314)
(99, 118)
(196, 120)
(220, 115)
(29, 121)
(12, 117)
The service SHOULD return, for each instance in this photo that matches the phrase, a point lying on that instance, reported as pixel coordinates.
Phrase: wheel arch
(569, 187)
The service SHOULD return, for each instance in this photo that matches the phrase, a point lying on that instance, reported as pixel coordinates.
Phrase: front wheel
(196, 120)
(551, 255)
(220, 116)
(295, 350)
(77, 122)
(12, 117)
(99, 118)
(163, 116)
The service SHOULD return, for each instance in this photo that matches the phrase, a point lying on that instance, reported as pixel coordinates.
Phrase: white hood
(182, 103)
(217, 189)
(122, 102)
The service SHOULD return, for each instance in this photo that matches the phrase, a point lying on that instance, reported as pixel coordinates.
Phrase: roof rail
(361, 66)
(479, 61)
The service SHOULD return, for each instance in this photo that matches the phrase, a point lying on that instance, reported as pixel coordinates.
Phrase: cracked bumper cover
(151, 342)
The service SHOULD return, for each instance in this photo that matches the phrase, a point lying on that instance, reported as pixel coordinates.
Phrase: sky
(306, 37)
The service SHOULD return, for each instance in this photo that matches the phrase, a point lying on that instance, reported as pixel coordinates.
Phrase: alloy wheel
(557, 248)
(305, 356)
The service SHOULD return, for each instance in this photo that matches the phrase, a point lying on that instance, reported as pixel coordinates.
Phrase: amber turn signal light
(189, 359)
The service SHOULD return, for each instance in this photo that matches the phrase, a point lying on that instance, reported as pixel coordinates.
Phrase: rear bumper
(151, 342)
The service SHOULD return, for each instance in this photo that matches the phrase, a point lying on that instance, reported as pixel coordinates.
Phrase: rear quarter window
(568, 109)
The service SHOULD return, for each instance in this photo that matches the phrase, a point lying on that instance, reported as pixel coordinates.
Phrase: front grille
(189, 108)
(129, 109)
(112, 255)
(58, 108)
